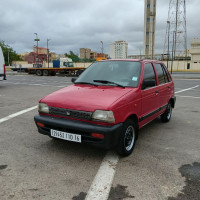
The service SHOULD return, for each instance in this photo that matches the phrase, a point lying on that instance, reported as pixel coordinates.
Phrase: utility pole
(168, 55)
(102, 47)
(173, 50)
(8, 58)
(37, 40)
(48, 51)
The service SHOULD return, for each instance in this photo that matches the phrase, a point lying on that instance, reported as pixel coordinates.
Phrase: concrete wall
(182, 66)
(177, 65)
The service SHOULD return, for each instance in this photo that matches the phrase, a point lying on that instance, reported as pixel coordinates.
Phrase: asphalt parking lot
(165, 163)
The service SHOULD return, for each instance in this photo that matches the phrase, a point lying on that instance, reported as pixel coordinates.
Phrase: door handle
(169, 87)
(156, 92)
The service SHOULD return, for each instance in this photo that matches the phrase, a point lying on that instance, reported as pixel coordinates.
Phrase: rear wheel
(166, 116)
(39, 72)
(46, 72)
(127, 138)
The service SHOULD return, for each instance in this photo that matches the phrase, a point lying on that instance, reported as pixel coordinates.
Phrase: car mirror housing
(73, 80)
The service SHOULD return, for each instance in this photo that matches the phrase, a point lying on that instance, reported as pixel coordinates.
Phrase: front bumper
(111, 133)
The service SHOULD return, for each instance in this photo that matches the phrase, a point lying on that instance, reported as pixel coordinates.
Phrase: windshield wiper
(108, 82)
(86, 83)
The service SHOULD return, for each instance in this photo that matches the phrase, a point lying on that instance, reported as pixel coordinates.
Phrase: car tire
(166, 116)
(39, 72)
(127, 138)
(46, 72)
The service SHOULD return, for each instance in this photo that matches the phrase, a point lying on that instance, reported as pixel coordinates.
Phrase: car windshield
(115, 73)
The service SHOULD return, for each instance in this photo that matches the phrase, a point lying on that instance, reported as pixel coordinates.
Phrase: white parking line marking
(102, 182)
(36, 84)
(187, 89)
(17, 114)
(189, 97)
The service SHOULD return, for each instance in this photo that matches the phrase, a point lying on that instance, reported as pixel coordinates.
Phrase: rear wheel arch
(172, 102)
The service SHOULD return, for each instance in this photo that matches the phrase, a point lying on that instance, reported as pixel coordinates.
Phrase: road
(165, 163)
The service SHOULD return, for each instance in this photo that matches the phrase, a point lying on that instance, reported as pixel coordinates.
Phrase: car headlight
(43, 108)
(104, 116)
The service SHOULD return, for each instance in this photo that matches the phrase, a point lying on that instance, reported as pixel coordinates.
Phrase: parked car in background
(2, 66)
(108, 104)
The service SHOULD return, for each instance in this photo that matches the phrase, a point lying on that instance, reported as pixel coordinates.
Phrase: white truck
(2, 66)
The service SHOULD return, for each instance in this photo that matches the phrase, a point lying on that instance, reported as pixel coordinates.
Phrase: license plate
(66, 136)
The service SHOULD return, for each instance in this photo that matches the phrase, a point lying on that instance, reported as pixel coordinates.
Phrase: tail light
(4, 69)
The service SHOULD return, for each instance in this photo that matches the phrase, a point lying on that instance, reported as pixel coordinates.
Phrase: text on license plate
(66, 136)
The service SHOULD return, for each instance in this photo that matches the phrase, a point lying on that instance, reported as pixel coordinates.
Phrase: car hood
(85, 97)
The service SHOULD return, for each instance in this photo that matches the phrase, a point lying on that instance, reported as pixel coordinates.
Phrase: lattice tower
(176, 32)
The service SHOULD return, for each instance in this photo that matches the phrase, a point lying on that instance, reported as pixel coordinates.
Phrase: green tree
(8, 52)
(73, 56)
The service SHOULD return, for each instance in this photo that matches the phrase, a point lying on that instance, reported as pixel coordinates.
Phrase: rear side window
(166, 72)
(149, 74)
(162, 76)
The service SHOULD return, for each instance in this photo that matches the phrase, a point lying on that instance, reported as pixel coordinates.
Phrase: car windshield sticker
(134, 78)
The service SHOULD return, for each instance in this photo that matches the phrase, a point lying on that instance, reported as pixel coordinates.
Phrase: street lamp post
(102, 47)
(37, 40)
(173, 50)
(8, 58)
(168, 22)
(48, 51)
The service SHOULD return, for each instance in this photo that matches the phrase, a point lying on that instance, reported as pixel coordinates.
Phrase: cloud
(74, 24)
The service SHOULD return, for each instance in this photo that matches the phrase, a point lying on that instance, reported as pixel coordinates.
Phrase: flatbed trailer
(18, 69)
(52, 71)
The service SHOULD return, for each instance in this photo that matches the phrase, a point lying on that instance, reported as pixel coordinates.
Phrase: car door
(149, 96)
(164, 88)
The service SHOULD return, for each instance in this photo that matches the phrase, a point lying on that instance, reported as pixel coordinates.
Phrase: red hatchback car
(108, 103)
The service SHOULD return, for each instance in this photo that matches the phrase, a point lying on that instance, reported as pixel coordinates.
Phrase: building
(149, 27)
(32, 57)
(195, 50)
(119, 49)
(86, 53)
(41, 50)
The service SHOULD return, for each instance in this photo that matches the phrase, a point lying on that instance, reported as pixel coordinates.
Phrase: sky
(75, 24)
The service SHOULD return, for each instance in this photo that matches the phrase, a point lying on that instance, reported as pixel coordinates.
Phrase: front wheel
(166, 116)
(127, 138)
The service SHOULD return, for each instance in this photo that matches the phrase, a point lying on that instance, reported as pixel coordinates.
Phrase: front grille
(70, 113)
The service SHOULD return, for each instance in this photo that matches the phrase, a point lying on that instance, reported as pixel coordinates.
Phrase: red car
(108, 103)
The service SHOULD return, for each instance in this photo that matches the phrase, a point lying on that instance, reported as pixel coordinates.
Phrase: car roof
(132, 60)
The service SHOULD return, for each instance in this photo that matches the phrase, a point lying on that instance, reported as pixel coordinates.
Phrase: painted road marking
(17, 114)
(102, 182)
(187, 89)
(36, 84)
(188, 97)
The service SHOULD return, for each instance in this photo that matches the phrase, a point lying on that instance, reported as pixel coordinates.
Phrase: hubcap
(129, 138)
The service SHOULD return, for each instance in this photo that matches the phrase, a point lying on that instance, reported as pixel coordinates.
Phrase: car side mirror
(148, 83)
(73, 80)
